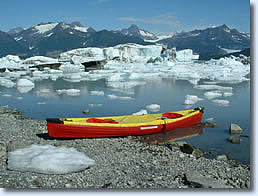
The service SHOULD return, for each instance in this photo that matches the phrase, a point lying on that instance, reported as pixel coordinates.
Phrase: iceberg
(48, 159)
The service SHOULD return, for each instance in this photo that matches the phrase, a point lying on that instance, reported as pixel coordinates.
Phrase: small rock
(222, 157)
(86, 111)
(197, 153)
(2, 150)
(235, 129)
(234, 140)
(68, 186)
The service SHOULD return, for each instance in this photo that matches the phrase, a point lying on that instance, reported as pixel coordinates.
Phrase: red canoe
(122, 125)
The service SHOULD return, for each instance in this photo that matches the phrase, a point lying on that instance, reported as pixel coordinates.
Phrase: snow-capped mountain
(134, 30)
(210, 41)
(50, 39)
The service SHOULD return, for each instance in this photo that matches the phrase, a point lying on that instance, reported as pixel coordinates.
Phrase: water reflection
(173, 135)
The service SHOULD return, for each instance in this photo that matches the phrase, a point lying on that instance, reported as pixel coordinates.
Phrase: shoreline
(121, 162)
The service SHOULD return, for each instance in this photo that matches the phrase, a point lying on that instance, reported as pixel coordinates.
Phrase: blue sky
(158, 16)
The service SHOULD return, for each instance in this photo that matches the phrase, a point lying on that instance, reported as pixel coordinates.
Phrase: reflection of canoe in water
(173, 135)
(123, 125)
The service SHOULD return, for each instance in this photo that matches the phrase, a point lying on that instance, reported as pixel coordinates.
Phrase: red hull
(77, 131)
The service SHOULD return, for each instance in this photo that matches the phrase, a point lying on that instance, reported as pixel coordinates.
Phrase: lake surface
(168, 93)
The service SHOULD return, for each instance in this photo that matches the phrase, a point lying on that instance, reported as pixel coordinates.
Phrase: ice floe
(212, 94)
(71, 92)
(122, 98)
(48, 159)
(153, 107)
(191, 99)
(97, 93)
(221, 102)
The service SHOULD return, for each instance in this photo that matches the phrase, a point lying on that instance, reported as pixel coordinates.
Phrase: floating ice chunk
(227, 94)
(41, 103)
(212, 94)
(213, 87)
(6, 83)
(48, 159)
(70, 68)
(112, 97)
(141, 112)
(71, 92)
(6, 95)
(186, 55)
(125, 85)
(24, 85)
(95, 104)
(45, 93)
(116, 77)
(72, 77)
(97, 93)
(221, 102)
(39, 60)
(191, 99)
(210, 120)
(19, 98)
(24, 82)
(153, 107)
(24, 89)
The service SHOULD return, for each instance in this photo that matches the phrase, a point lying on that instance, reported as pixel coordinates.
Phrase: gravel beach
(124, 162)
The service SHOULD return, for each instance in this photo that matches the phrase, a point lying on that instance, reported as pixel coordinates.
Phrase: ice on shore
(48, 159)
(191, 99)
(153, 107)
(221, 102)
(141, 112)
(97, 93)
(71, 92)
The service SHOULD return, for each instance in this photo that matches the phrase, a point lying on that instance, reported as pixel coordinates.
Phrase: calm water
(168, 93)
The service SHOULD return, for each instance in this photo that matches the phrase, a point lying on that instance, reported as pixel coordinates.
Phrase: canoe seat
(171, 115)
(97, 120)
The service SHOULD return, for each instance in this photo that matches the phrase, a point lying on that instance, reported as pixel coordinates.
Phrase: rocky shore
(123, 162)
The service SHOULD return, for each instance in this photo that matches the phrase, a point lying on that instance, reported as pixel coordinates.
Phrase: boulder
(234, 140)
(196, 180)
(187, 148)
(235, 129)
